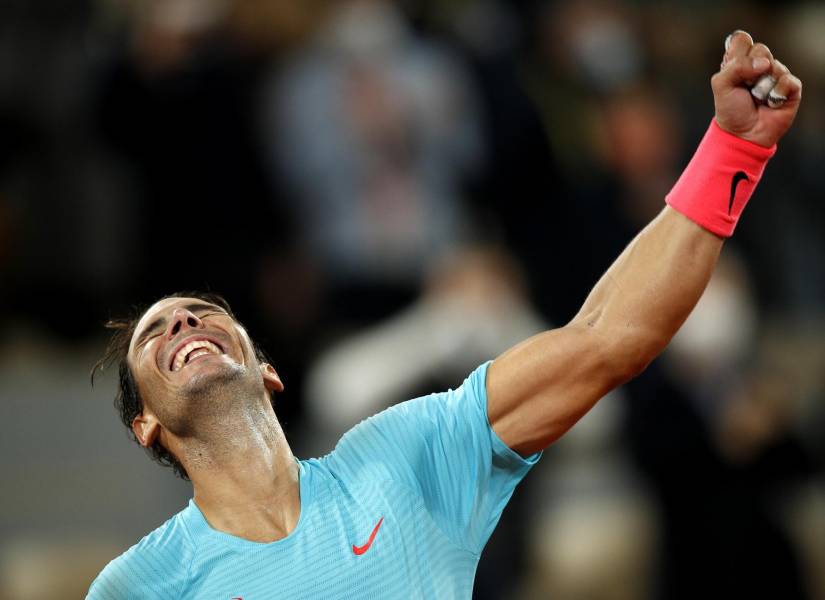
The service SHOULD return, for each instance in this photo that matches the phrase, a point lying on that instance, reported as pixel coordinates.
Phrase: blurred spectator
(375, 132)
(639, 143)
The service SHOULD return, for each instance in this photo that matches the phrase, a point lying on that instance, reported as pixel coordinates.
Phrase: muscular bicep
(538, 389)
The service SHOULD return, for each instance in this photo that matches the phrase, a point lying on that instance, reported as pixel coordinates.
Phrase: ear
(272, 381)
(146, 428)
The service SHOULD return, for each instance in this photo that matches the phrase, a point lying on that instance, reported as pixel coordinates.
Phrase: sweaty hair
(128, 402)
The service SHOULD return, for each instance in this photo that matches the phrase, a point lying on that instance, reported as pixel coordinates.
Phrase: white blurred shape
(473, 311)
(721, 330)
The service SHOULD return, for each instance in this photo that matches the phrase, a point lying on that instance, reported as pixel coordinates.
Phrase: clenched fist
(737, 111)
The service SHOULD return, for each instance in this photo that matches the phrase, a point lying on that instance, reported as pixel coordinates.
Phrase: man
(405, 503)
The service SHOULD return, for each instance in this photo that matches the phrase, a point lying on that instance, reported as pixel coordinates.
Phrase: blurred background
(390, 193)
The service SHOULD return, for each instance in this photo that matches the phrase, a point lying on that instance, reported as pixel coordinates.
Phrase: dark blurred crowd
(376, 179)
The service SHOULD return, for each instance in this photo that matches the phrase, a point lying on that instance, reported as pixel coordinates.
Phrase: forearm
(648, 292)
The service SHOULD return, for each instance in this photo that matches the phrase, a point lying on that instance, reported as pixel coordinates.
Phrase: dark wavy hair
(128, 402)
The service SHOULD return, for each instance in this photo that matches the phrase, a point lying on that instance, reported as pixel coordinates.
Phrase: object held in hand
(764, 93)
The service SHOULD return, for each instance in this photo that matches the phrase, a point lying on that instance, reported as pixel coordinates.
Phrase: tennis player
(404, 504)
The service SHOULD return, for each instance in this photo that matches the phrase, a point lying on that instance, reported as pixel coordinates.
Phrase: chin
(211, 380)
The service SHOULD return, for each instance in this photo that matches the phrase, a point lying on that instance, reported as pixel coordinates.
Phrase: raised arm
(538, 389)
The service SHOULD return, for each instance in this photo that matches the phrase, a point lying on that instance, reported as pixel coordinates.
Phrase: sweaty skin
(215, 416)
(541, 387)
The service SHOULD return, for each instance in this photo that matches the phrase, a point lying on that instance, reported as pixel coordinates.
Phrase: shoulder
(388, 443)
(469, 398)
(156, 567)
(428, 415)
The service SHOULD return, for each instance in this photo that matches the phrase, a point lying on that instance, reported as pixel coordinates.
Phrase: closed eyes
(158, 326)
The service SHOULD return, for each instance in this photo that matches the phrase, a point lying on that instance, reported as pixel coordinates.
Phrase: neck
(244, 475)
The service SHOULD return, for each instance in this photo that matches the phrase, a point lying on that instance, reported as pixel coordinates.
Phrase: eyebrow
(160, 322)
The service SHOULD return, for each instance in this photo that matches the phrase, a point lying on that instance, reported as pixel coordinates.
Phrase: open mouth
(193, 350)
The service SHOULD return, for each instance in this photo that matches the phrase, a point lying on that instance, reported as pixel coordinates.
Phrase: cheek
(149, 369)
(244, 346)
(149, 358)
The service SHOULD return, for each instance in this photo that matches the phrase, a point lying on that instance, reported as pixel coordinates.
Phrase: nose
(182, 319)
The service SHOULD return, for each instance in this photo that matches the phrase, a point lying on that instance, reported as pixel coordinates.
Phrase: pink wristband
(719, 180)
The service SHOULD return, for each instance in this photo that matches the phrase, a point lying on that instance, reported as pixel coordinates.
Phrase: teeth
(200, 347)
(196, 353)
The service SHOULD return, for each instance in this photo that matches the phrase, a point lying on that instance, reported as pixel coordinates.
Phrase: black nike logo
(737, 177)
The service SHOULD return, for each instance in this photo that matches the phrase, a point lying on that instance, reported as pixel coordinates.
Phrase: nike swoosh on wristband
(359, 550)
(738, 177)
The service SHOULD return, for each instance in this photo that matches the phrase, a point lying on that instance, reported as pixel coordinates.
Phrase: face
(189, 359)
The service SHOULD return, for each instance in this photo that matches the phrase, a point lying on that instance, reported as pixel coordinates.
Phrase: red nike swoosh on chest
(359, 550)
